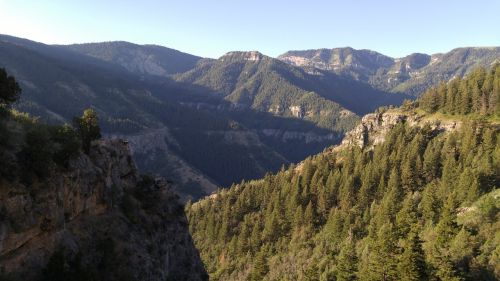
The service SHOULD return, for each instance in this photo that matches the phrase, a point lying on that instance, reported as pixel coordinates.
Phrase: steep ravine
(119, 225)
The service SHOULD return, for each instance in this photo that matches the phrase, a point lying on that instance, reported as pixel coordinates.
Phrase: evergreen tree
(88, 128)
(347, 261)
(260, 267)
(411, 265)
(9, 89)
(383, 255)
(407, 189)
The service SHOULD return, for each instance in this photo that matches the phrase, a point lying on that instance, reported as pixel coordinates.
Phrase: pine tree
(411, 265)
(431, 161)
(446, 231)
(260, 267)
(87, 128)
(271, 226)
(347, 261)
(9, 89)
(383, 255)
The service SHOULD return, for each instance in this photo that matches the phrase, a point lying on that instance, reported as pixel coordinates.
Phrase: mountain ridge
(411, 74)
(58, 88)
(141, 59)
(288, 112)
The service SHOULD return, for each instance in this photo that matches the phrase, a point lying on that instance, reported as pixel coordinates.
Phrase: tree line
(478, 94)
(30, 149)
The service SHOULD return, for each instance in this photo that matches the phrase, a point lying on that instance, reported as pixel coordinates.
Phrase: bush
(67, 144)
(9, 89)
(88, 128)
(36, 154)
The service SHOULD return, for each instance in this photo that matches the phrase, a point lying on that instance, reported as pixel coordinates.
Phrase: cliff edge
(98, 219)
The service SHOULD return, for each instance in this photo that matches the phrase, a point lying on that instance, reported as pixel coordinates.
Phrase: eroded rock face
(99, 199)
(307, 137)
(297, 111)
(375, 126)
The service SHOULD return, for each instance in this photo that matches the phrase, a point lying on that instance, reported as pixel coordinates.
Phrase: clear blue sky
(211, 28)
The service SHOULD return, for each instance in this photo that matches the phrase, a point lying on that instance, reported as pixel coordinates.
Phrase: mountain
(187, 133)
(253, 80)
(69, 215)
(411, 75)
(60, 87)
(138, 59)
(410, 194)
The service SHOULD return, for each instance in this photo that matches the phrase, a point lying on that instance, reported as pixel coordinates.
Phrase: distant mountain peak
(244, 55)
(411, 74)
(139, 59)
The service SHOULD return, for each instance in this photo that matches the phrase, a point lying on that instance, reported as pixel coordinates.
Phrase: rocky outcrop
(375, 126)
(100, 212)
(248, 56)
(306, 137)
(297, 111)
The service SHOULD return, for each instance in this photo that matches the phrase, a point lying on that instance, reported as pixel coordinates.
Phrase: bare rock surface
(375, 126)
(99, 200)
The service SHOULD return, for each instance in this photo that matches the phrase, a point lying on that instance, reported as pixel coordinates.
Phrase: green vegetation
(9, 89)
(269, 85)
(412, 74)
(30, 149)
(157, 60)
(393, 212)
(87, 128)
(423, 205)
(478, 94)
(59, 84)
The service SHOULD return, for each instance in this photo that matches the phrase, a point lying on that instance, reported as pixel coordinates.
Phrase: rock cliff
(100, 215)
(374, 127)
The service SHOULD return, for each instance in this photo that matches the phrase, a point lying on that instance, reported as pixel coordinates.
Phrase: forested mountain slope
(412, 74)
(183, 132)
(251, 79)
(411, 194)
(139, 59)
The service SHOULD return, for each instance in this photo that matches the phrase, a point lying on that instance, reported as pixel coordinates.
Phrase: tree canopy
(419, 206)
(9, 89)
(87, 127)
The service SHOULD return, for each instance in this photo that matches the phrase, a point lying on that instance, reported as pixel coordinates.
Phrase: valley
(322, 164)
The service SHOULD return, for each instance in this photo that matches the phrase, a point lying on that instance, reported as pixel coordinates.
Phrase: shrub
(67, 144)
(9, 89)
(88, 128)
(37, 151)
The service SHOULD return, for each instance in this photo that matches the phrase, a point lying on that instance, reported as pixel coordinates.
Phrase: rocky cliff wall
(119, 225)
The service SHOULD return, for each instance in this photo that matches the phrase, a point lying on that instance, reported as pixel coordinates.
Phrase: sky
(210, 28)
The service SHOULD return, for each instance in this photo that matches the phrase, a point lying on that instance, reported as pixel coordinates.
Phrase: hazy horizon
(212, 29)
(319, 48)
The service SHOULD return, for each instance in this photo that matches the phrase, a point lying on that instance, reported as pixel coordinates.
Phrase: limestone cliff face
(100, 199)
(375, 126)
